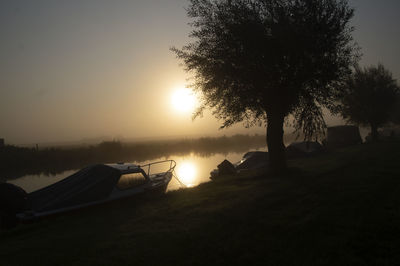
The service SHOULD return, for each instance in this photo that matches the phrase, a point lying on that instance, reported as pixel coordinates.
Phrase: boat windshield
(127, 181)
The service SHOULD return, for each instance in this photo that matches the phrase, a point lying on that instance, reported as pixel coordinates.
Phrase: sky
(98, 69)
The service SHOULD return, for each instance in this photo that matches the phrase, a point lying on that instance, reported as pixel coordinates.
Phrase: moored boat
(90, 186)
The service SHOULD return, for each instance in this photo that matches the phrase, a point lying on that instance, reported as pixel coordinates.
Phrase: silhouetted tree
(369, 98)
(257, 61)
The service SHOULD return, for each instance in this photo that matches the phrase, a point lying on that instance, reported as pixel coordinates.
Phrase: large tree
(370, 98)
(257, 61)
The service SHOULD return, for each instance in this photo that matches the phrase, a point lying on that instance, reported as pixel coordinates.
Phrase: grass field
(341, 208)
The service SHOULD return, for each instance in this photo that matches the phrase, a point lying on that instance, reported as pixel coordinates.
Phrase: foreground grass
(342, 208)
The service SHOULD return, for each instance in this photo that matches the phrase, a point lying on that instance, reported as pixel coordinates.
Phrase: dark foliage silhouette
(258, 61)
(369, 98)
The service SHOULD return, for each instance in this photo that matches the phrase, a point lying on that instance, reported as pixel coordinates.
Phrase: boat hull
(152, 190)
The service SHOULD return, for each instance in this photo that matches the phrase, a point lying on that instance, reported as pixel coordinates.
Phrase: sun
(183, 100)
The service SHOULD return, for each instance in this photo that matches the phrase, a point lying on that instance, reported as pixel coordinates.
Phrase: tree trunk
(374, 132)
(276, 148)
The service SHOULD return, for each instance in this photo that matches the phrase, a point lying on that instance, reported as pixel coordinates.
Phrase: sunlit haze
(183, 100)
(76, 70)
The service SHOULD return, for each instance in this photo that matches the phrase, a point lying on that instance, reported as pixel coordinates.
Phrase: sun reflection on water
(187, 173)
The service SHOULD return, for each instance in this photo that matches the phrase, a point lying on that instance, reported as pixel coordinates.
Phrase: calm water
(190, 169)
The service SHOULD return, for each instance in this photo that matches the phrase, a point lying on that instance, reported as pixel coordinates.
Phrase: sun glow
(183, 100)
(187, 173)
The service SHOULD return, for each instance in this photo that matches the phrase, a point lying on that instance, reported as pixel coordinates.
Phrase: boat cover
(253, 160)
(90, 184)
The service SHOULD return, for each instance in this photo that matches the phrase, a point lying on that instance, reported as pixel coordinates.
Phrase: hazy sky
(85, 69)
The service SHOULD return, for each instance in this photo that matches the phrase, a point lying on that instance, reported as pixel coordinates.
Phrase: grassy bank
(342, 208)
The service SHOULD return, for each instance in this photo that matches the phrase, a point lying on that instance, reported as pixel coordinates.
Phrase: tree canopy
(257, 61)
(370, 97)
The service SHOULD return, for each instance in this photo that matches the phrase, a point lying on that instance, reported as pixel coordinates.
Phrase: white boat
(90, 186)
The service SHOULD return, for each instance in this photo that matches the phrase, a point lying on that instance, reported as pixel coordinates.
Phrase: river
(191, 169)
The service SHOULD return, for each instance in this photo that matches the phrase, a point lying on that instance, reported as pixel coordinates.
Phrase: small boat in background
(251, 160)
(90, 186)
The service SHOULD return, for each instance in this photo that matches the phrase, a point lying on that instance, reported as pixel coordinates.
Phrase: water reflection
(186, 172)
(34, 182)
(191, 169)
